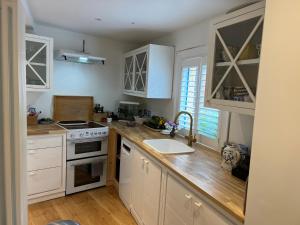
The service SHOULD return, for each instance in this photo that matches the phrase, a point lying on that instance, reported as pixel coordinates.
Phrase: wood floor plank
(100, 206)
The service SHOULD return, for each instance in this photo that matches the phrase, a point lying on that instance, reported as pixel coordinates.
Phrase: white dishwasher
(125, 172)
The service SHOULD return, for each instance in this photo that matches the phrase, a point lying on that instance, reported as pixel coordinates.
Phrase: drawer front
(44, 180)
(44, 158)
(44, 142)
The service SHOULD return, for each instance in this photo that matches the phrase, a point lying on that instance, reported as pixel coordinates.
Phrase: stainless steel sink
(168, 146)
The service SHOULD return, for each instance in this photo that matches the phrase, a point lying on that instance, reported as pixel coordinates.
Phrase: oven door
(88, 147)
(84, 174)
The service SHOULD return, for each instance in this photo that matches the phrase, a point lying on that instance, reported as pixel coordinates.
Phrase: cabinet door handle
(188, 196)
(143, 162)
(198, 204)
(147, 166)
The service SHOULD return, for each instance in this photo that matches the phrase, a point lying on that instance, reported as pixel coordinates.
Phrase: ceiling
(127, 20)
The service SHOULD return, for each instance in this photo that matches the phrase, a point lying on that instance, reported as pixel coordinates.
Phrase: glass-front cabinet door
(39, 61)
(234, 62)
(129, 73)
(141, 64)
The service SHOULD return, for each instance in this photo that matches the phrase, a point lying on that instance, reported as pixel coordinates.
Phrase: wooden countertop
(45, 129)
(201, 169)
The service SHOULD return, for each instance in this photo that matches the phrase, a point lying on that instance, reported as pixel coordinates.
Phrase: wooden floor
(100, 206)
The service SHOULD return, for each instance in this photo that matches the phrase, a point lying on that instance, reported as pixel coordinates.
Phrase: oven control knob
(81, 134)
(99, 133)
(95, 133)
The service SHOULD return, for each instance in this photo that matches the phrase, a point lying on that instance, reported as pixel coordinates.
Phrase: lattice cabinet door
(129, 73)
(234, 62)
(141, 70)
(39, 62)
(148, 72)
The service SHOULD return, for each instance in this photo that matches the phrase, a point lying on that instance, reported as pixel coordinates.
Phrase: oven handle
(85, 161)
(87, 140)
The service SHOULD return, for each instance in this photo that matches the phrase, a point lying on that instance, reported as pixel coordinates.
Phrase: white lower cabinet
(182, 207)
(46, 167)
(146, 189)
(178, 206)
(158, 197)
(44, 180)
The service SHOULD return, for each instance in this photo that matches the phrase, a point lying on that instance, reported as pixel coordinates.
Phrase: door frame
(13, 115)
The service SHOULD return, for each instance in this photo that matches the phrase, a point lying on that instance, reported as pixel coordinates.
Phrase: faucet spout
(191, 139)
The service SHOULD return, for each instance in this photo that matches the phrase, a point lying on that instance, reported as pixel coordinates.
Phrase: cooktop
(79, 124)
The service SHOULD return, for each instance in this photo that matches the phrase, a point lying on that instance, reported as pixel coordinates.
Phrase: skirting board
(45, 198)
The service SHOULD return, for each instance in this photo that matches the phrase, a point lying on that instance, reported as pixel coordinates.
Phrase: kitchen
(133, 126)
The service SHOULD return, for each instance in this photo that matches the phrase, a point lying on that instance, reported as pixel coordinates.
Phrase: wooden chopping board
(73, 108)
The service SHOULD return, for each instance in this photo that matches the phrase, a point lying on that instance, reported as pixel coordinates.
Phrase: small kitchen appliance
(128, 110)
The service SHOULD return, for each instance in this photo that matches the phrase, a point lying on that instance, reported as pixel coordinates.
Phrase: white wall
(101, 81)
(274, 183)
(192, 38)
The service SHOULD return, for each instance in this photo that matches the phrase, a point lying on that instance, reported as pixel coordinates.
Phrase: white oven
(84, 174)
(86, 147)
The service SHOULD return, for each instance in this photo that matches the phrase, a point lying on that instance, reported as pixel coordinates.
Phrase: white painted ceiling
(151, 18)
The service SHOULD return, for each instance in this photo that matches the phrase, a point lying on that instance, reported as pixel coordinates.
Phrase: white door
(152, 184)
(138, 183)
(38, 61)
(125, 174)
(179, 204)
(128, 73)
(205, 215)
(141, 70)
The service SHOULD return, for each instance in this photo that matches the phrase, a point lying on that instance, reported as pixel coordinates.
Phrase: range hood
(78, 57)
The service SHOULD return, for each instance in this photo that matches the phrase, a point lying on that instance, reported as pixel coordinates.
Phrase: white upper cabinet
(39, 62)
(148, 72)
(233, 63)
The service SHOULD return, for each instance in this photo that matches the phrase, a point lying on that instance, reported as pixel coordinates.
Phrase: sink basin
(168, 146)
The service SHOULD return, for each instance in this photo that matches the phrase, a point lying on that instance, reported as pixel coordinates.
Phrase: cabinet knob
(32, 173)
(198, 204)
(188, 196)
(146, 162)
(31, 152)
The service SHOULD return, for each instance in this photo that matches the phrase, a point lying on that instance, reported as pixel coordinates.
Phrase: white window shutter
(192, 91)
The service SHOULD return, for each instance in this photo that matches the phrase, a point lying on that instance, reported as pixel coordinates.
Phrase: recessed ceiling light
(98, 19)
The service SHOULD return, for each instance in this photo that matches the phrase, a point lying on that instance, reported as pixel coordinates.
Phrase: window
(192, 92)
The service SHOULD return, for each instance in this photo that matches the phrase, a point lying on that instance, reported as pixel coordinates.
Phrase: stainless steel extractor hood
(78, 57)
